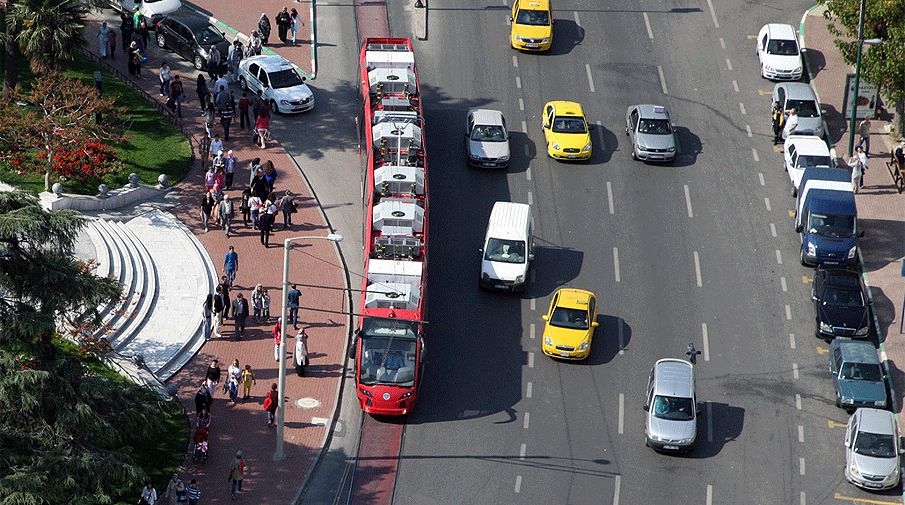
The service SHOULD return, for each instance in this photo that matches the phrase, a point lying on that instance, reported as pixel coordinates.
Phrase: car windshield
(285, 79)
(813, 161)
(482, 133)
(861, 372)
(208, 36)
(565, 124)
(533, 17)
(575, 319)
(782, 47)
(505, 251)
(843, 297)
(654, 127)
(831, 226)
(876, 445)
(388, 352)
(673, 408)
(805, 108)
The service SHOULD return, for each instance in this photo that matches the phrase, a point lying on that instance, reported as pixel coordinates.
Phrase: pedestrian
(262, 127)
(226, 215)
(148, 495)
(218, 312)
(136, 17)
(264, 105)
(125, 29)
(207, 313)
(175, 492)
(293, 297)
(201, 91)
(203, 398)
(248, 379)
(216, 147)
(254, 208)
(864, 135)
(256, 102)
(257, 301)
(862, 160)
(224, 290)
(213, 62)
(271, 402)
(265, 305)
(266, 224)
(207, 206)
(270, 176)
(221, 94)
(778, 119)
(166, 77)
(244, 120)
(194, 492)
(227, 112)
(103, 40)
(277, 338)
(177, 93)
(301, 352)
(253, 168)
(240, 314)
(254, 44)
(233, 57)
(232, 381)
(259, 184)
(282, 20)
(134, 65)
(209, 112)
(791, 123)
(111, 40)
(222, 83)
(857, 172)
(237, 470)
(287, 207)
(264, 28)
(203, 419)
(229, 168)
(244, 206)
(213, 374)
(295, 22)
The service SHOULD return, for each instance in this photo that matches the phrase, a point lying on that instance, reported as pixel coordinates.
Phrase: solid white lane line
(748, 131)
(530, 198)
(616, 484)
(800, 434)
(533, 330)
(767, 203)
(735, 85)
(527, 420)
(792, 340)
(530, 360)
(716, 24)
(533, 304)
(688, 202)
(760, 179)
(650, 33)
(709, 422)
(706, 342)
(801, 466)
(577, 22)
(662, 79)
(621, 424)
(773, 229)
(518, 82)
(525, 130)
(709, 487)
(722, 43)
(528, 173)
(616, 262)
(754, 154)
(522, 451)
(609, 196)
(528, 390)
(795, 370)
(782, 283)
(518, 483)
(697, 269)
(587, 68)
(521, 104)
(797, 401)
(788, 312)
(778, 257)
(621, 326)
(728, 63)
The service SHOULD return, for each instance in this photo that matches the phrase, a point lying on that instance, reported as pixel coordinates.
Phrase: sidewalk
(881, 209)
(310, 400)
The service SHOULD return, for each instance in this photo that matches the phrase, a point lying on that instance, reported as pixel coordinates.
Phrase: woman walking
(264, 28)
(287, 206)
(301, 352)
(277, 338)
(207, 206)
(103, 40)
(166, 76)
(257, 301)
(295, 22)
(201, 90)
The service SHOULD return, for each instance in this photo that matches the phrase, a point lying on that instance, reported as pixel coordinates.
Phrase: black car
(190, 36)
(840, 302)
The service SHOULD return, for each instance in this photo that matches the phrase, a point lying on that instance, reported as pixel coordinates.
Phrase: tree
(67, 434)
(884, 64)
(60, 115)
(49, 32)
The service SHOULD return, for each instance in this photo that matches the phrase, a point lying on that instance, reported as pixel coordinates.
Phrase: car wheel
(243, 83)
(161, 41)
(273, 107)
(794, 191)
(198, 62)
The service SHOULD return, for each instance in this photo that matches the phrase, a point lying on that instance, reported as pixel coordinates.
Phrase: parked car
(857, 374)
(190, 35)
(840, 303)
(486, 139)
(778, 53)
(801, 97)
(671, 407)
(152, 10)
(281, 85)
(872, 449)
(651, 133)
(801, 152)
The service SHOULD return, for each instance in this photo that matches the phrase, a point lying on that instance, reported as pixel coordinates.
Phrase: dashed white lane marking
(760, 179)
(621, 326)
(527, 421)
(662, 79)
(728, 63)
(735, 85)
(792, 340)
(754, 154)
(532, 330)
(533, 304)
(709, 487)
(709, 422)
(716, 24)
(650, 33)
(530, 198)
(797, 401)
(525, 130)
(518, 483)
(621, 423)
(587, 68)
(609, 196)
(741, 107)
(706, 342)
(802, 499)
(778, 257)
(800, 434)
(795, 370)
(577, 22)
(688, 202)
(514, 61)
(528, 390)
(530, 360)
(782, 283)
(518, 82)
(801, 466)
(528, 173)
(522, 450)
(616, 262)
(521, 104)
(788, 312)
(616, 483)
(697, 269)
(722, 43)
(773, 229)
(748, 131)
(767, 203)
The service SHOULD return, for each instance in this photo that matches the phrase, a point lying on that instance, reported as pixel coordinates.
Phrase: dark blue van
(826, 217)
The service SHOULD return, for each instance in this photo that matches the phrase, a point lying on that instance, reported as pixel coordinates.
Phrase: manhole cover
(308, 403)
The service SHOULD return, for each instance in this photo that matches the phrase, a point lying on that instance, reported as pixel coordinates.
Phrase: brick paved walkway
(243, 426)
(881, 209)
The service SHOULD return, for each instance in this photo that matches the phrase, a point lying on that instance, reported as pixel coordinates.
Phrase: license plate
(488, 164)
(872, 484)
(655, 156)
(564, 354)
(671, 447)
(500, 286)
(572, 156)
(532, 46)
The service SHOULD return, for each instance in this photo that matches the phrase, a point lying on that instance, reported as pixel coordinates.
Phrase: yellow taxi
(566, 131)
(570, 324)
(532, 25)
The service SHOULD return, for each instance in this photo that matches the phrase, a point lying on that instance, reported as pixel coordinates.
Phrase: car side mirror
(531, 257)
(480, 250)
(304, 78)
(510, 19)
(545, 317)
(815, 298)
(798, 228)
(546, 125)
(645, 408)
(847, 444)
(595, 324)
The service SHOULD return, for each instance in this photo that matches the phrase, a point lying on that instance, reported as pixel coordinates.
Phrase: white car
(778, 52)
(803, 151)
(152, 10)
(281, 85)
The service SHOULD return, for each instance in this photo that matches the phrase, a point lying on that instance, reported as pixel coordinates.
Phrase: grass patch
(153, 145)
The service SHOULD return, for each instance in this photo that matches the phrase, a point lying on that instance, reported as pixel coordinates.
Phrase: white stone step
(146, 292)
(114, 312)
(104, 256)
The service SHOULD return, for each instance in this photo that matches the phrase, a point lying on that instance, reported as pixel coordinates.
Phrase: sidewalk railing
(897, 171)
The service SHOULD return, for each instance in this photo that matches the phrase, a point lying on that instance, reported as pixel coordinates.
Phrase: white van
(152, 10)
(508, 247)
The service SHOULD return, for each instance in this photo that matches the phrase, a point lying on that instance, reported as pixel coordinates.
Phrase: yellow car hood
(532, 31)
(566, 140)
(566, 336)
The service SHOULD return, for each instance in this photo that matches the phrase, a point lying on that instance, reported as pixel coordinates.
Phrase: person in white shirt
(254, 206)
(791, 123)
(148, 495)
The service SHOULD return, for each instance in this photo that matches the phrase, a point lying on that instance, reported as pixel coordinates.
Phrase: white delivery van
(508, 247)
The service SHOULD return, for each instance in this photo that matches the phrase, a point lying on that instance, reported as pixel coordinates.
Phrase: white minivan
(508, 247)
(152, 10)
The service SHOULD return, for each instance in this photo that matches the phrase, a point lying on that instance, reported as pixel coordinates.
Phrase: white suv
(778, 52)
(282, 86)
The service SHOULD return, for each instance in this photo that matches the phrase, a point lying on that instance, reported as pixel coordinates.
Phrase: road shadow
(607, 341)
(521, 151)
(607, 143)
(897, 376)
(559, 266)
(689, 147)
(566, 35)
(885, 310)
(814, 62)
(723, 426)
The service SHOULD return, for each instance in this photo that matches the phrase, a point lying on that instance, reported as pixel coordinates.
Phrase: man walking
(244, 120)
(194, 492)
(213, 62)
(240, 314)
(207, 313)
(266, 225)
(864, 135)
(218, 313)
(227, 112)
(227, 301)
(293, 295)
(231, 264)
(778, 120)
(791, 123)
(237, 470)
(226, 215)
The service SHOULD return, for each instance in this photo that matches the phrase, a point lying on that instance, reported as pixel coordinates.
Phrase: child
(265, 306)
(248, 378)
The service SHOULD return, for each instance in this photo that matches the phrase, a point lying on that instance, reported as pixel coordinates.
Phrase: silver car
(651, 133)
(872, 449)
(671, 422)
(801, 97)
(486, 139)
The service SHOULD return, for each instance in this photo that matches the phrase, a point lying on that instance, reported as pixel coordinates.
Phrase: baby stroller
(199, 451)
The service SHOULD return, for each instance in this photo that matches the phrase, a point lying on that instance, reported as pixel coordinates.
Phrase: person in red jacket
(270, 403)
(277, 336)
(262, 130)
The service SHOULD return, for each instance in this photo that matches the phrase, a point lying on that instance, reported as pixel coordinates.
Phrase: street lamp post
(281, 406)
(854, 98)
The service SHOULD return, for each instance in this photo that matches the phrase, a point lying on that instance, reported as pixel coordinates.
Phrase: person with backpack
(226, 215)
(270, 403)
(148, 495)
